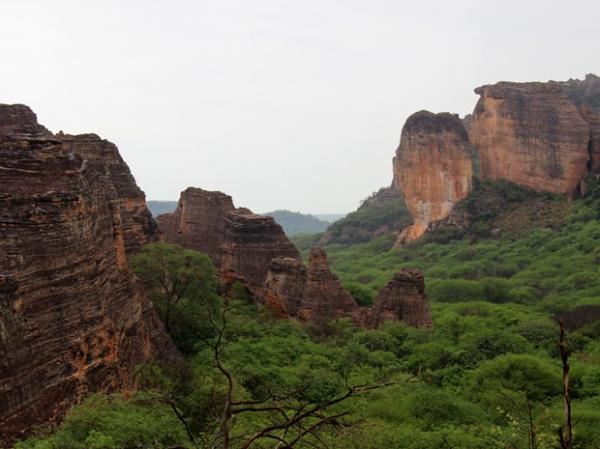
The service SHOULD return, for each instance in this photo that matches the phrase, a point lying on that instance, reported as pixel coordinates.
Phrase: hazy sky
(282, 104)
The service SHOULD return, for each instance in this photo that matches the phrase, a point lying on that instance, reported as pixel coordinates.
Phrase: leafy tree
(182, 285)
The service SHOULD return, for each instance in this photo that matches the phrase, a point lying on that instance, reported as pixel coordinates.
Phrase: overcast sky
(281, 104)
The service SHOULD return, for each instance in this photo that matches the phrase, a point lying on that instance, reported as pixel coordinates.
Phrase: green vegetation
(295, 223)
(486, 376)
(382, 212)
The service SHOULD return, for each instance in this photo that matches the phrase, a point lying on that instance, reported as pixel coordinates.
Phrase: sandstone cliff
(531, 134)
(433, 168)
(72, 319)
(250, 243)
(402, 299)
(198, 223)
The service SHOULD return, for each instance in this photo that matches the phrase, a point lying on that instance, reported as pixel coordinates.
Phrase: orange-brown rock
(432, 168)
(198, 223)
(402, 299)
(250, 243)
(531, 134)
(324, 296)
(138, 226)
(72, 319)
(592, 116)
(284, 286)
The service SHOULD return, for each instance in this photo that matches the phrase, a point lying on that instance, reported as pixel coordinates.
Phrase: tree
(182, 284)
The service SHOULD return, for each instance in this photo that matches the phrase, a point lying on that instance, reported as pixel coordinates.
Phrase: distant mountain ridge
(295, 223)
(161, 207)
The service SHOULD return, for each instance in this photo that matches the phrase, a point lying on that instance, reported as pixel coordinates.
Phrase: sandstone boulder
(432, 168)
(402, 299)
(324, 296)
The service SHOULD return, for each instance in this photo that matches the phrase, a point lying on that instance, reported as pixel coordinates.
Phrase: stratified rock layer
(432, 168)
(198, 223)
(531, 134)
(324, 296)
(72, 319)
(284, 286)
(317, 296)
(402, 299)
(250, 243)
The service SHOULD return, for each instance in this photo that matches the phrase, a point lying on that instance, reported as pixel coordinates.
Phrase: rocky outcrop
(316, 295)
(284, 286)
(402, 299)
(432, 168)
(198, 223)
(138, 226)
(592, 117)
(531, 134)
(72, 319)
(250, 243)
(324, 296)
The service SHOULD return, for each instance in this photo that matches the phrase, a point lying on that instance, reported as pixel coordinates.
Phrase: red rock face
(592, 117)
(198, 223)
(250, 243)
(72, 319)
(432, 168)
(531, 134)
(324, 296)
(284, 286)
(317, 296)
(402, 299)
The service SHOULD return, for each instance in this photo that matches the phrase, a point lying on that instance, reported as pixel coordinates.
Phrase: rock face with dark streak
(531, 134)
(72, 319)
(433, 168)
(198, 223)
(250, 243)
(324, 296)
(402, 299)
(284, 286)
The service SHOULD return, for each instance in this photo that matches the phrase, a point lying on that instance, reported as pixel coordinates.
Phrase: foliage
(182, 285)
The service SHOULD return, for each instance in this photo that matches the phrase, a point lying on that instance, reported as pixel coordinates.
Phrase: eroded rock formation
(402, 299)
(72, 319)
(433, 168)
(531, 134)
(198, 223)
(324, 296)
(284, 286)
(250, 243)
(316, 295)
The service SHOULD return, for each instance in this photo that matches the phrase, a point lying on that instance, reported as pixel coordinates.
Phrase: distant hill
(161, 207)
(295, 223)
(384, 212)
(331, 218)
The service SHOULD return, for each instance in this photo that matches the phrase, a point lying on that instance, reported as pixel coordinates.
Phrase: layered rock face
(284, 286)
(402, 299)
(433, 168)
(198, 223)
(324, 296)
(531, 134)
(250, 243)
(317, 296)
(72, 319)
(138, 226)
